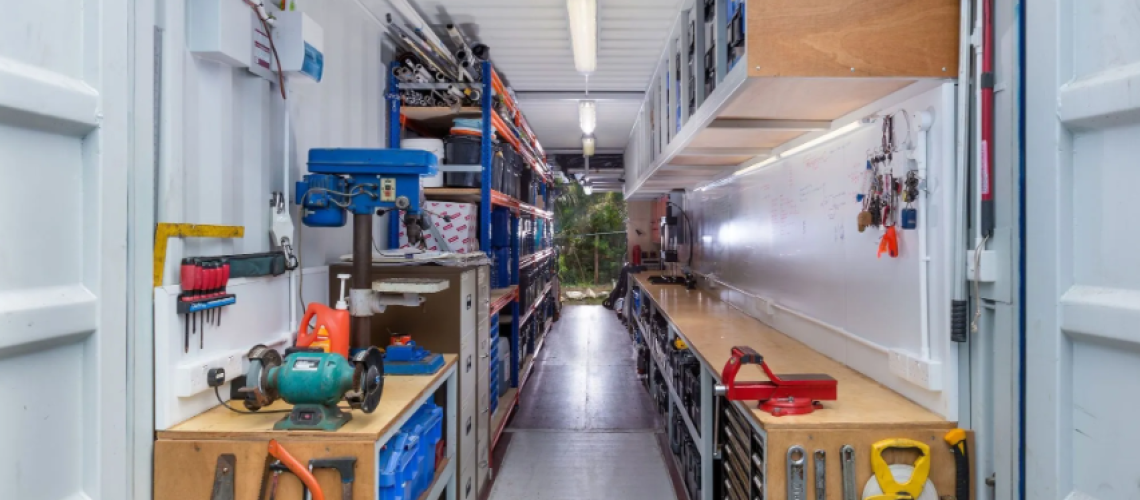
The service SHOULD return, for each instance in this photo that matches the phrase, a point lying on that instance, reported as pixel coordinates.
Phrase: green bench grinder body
(315, 383)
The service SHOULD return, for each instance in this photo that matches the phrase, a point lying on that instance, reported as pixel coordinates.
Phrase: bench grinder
(315, 383)
(365, 182)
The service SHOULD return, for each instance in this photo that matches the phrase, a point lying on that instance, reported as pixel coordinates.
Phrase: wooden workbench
(185, 455)
(865, 412)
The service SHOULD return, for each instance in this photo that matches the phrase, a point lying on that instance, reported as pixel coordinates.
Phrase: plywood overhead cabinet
(807, 67)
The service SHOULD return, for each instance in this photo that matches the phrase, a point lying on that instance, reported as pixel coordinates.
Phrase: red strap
(889, 243)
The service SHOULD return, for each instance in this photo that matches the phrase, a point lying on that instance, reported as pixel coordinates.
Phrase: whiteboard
(787, 232)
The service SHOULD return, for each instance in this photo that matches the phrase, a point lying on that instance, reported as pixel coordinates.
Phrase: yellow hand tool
(957, 441)
(891, 489)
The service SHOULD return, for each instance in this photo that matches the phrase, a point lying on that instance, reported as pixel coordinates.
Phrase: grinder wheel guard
(258, 391)
(367, 380)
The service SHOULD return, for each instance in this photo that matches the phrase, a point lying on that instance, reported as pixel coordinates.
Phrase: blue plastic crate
(500, 228)
(408, 460)
(399, 467)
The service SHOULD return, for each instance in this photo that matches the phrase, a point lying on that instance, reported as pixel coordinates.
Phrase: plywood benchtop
(401, 393)
(711, 328)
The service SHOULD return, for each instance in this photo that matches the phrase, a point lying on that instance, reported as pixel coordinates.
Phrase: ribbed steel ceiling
(530, 45)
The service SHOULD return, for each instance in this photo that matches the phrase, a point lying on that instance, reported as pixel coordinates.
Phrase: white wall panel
(222, 155)
(223, 131)
(787, 233)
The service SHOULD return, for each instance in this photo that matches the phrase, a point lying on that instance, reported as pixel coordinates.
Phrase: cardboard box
(459, 235)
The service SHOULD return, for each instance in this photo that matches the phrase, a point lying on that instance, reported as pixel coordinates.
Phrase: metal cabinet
(456, 320)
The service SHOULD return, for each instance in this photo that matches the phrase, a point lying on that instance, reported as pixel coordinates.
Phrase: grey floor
(585, 427)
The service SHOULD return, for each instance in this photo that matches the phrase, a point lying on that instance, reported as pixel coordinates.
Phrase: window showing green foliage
(590, 236)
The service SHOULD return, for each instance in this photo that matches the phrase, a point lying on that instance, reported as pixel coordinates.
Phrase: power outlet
(982, 266)
(925, 373)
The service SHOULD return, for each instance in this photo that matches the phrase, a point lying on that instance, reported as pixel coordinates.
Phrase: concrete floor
(585, 426)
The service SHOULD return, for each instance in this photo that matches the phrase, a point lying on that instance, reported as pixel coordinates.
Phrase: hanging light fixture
(584, 33)
(588, 116)
(587, 146)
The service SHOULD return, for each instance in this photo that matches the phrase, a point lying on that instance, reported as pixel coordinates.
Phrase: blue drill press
(364, 182)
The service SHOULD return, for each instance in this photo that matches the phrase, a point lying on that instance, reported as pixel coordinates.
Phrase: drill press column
(361, 326)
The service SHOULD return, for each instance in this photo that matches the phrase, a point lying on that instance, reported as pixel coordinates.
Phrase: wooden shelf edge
(537, 302)
(507, 404)
(525, 374)
(535, 258)
(443, 472)
(511, 295)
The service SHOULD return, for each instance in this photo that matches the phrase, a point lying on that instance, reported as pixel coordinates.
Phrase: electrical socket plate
(925, 373)
(987, 271)
(190, 377)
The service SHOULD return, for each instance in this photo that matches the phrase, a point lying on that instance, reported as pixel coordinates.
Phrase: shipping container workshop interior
(563, 249)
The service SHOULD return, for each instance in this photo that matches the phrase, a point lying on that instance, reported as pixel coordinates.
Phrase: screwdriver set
(204, 282)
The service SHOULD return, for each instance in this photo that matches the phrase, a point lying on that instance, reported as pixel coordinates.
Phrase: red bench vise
(788, 394)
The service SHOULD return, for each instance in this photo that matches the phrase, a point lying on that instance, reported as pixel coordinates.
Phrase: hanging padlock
(909, 218)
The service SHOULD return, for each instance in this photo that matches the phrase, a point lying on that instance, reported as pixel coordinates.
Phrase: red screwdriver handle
(225, 275)
(189, 277)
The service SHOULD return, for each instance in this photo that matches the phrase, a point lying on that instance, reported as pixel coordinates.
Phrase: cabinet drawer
(483, 474)
(468, 300)
(468, 370)
(468, 489)
(483, 403)
(468, 444)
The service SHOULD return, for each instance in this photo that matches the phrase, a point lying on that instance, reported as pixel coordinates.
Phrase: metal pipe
(294, 289)
(361, 326)
(925, 121)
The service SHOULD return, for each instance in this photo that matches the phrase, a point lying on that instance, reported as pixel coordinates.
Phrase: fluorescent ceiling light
(584, 33)
(757, 166)
(587, 145)
(846, 129)
(850, 127)
(587, 116)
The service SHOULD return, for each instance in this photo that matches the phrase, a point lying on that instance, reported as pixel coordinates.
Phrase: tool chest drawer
(743, 452)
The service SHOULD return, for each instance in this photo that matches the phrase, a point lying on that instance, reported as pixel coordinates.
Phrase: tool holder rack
(746, 457)
(491, 201)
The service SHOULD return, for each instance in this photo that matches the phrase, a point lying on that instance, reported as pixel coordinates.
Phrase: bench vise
(787, 394)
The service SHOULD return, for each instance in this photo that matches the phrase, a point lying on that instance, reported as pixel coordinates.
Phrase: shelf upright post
(721, 38)
(394, 131)
(514, 229)
(515, 343)
(487, 155)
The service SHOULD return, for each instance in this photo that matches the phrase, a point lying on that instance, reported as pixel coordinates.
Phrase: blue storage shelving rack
(491, 201)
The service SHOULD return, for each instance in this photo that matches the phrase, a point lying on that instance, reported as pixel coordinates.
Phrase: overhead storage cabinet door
(63, 219)
(1083, 248)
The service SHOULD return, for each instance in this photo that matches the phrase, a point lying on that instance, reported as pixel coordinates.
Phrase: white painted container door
(1083, 249)
(63, 233)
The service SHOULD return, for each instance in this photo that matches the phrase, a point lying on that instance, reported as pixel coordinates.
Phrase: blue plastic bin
(500, 228)
(427, 423)
(408, 460)
(399, 466)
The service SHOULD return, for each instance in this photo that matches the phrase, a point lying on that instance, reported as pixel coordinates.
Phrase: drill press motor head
(364, 181)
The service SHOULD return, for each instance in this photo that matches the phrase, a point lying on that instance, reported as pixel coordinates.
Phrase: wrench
(847, 460)
(820, 475)
(796, 488)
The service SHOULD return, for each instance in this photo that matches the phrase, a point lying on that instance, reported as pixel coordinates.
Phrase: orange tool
(890, 243)
(278, 453)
